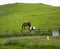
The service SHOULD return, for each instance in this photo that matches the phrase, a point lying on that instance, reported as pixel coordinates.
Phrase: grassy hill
(41, 16)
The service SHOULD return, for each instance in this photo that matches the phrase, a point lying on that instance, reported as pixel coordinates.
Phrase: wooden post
(39, 30)
(49, 30)
(6, 32)
(59, 30)
(14, 33)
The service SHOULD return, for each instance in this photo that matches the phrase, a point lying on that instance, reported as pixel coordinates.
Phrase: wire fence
(36, 32)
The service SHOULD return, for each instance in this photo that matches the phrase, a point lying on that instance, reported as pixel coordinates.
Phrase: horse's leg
(29, 26)
(22, 26)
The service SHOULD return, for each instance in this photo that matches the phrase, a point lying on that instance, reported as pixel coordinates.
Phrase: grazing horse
(26, 24)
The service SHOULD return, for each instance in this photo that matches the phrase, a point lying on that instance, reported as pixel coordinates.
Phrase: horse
(32, 28)
(26, 24)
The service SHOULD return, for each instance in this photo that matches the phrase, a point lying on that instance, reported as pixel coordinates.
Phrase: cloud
(49, 2)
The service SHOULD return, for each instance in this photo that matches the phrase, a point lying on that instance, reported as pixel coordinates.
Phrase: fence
(36, 32)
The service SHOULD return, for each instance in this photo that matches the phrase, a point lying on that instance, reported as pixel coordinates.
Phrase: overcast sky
(49, 2)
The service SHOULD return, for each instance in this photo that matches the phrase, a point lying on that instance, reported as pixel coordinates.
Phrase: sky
(48, 2)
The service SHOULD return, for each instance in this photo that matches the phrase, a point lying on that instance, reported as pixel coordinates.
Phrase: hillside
(41, 16)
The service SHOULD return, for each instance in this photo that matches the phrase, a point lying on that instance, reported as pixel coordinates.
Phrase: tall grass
(32, 42)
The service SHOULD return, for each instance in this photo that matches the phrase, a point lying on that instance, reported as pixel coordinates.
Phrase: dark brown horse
(26, 24)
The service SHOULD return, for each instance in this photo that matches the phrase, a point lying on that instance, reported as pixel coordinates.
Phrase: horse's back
(26, 23)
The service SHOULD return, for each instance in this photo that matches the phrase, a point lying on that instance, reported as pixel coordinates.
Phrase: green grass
(38, 42)
(41, 16)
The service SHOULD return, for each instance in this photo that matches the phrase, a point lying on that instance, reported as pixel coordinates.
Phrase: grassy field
(30, 42)
(41, 16)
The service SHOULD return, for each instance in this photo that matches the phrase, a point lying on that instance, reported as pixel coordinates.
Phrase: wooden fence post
(59, 31)
(14, 33)
(49, 30)
(6, 32)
